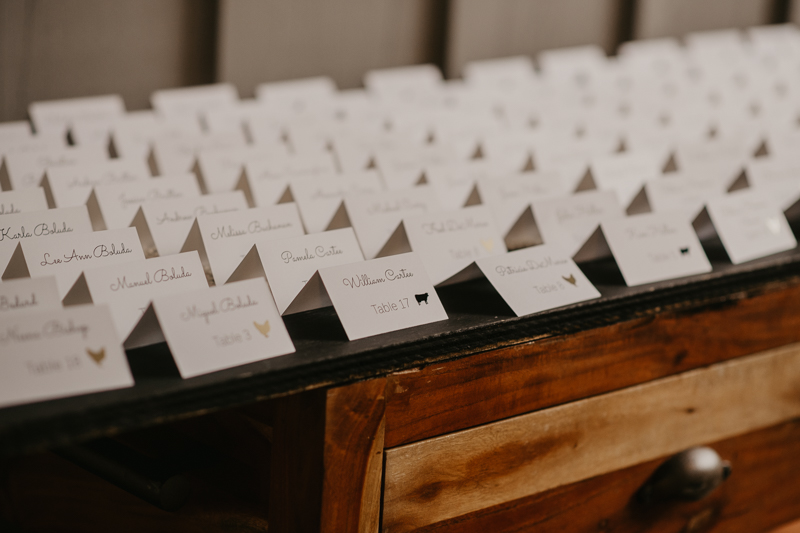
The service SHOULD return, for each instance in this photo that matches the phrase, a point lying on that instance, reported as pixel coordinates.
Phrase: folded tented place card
(114, 206)
(375, 217)
(749, 223)
(15, 228)
(217, 328)
(569, 220)
(319, 197)
(55, 353)
(68, 186)
(24, 201)
(59, 115)
(290, 264)
(129, 288)
(449, 242)
(536, 279)
(26, 169)
(28, 294)
(224, 239)
(66, 256)
(382, 295)
(651, 247)
(163, 225)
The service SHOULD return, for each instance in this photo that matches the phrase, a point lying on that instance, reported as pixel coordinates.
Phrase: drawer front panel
(456, 474)
(763, 492)
(480, 389)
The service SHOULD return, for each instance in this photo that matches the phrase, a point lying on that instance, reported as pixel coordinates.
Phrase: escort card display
(448, 242)
(370, 200)
(749, 224)
(54, 353)
(128, 288)
(224, 239)
(23, 226)
(68, 186)
(29, 294)
(163, 225)
(375, 217)
(66, 256)
(382, 295)
(217, 328)
(114, 206)
(536, 279)
(650, 247)
(289, 266)
(23, 201)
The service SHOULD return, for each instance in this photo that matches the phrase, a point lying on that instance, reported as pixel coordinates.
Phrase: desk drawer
(492, 465)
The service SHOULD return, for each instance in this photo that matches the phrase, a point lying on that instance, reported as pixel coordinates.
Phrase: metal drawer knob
(690, 475)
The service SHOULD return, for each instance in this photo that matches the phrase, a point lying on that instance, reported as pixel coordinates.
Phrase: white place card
(537, 278)
(375, 217)
(290, 264)
(455, 183)
(750, 225)
(224, 239)
(66, 256)
(194, 100)
(127, 289)
(568, 221)
(55, 353)
(217, 328)
(23, 201)
(382, 295)
(448, 242)
(319, 197)
(221, 170)
(58, 115)
(652, 247)
(114, 206)
(163, 225)
(14, 228)
(393, 82)
(178, 154)
(678, 192)
(69, 186)
(29, 294)
(23, 170)
(509, 197)
(295, 94)
(626, 173)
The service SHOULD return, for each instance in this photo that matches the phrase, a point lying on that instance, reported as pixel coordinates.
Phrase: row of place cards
(72, 298)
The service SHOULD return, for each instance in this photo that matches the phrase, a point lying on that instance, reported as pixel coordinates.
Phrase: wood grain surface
(448, 476)
(762, 492)
(353, 458)
(455, 395)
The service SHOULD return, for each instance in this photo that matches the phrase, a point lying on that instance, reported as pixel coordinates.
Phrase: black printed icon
(570, 279)
(685, 251)
(421, 298)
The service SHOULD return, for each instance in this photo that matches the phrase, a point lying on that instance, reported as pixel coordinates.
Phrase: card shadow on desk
(474, 297)
(315, 325)
(153, 361)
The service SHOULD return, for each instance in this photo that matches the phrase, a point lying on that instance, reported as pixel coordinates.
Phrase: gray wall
(65, 48)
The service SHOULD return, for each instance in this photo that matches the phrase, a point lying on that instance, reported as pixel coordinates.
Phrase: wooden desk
(484, 423)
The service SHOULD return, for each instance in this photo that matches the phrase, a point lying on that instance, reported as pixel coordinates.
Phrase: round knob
(690, 475)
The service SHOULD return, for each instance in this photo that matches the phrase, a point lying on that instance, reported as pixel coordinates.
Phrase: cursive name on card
(225, 305)
(162, 275)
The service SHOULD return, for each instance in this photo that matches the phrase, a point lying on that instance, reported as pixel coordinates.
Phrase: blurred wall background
(66, 48)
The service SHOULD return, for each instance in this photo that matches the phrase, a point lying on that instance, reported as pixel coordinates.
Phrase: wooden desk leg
(327, 460)
(354, 433)
(296, 470)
